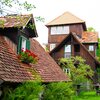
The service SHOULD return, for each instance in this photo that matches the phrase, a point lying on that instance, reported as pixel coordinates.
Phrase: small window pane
(67, 70)
(67, 48)
(67, 51)
(23, 44)
(52, 46)
(91, 48)
(53, 30)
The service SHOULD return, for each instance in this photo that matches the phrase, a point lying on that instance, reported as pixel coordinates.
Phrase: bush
(26, 91)
(58, 91)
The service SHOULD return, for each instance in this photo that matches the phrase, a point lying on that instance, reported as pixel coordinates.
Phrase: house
(71, 46)
(67, 36)
(61, 26)
(17, 32)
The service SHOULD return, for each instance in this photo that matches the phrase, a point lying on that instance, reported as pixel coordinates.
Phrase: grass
(91, 95)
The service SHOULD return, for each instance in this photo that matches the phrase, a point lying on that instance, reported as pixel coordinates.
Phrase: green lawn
(87, 96)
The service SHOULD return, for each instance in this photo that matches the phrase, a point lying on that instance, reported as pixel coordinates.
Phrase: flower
(28, 57)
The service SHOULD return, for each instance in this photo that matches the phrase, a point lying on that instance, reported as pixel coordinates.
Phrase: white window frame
(23, 45)
(67, 71)
(67, 51)
(91, 47)
(52, 46)
(59, 30)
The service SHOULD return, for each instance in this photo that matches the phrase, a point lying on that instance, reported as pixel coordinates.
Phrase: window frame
(91, 48)
(19, 46)
(56, 30)
(69, 52)
(52, 46)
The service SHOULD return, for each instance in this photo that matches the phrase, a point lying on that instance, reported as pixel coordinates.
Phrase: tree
(6, 4)
(18, 7)
(91, 29)
(79, 71)
(98, 50)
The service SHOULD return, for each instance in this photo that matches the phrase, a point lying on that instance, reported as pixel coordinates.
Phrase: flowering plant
(28, 57)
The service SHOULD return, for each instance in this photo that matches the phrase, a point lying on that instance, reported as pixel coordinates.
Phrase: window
(91, 48)
(23, 46)
(23, 43)
(67, 51)
(59, 30)
(52, 46)
(67, 70)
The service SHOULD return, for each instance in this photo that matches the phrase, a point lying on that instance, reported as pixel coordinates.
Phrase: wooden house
(68, 36)
(17, 32)
(61, 26)
(71, 46)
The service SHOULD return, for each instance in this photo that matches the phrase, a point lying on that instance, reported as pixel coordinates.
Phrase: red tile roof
(19, 21)
(11, 69)
(89, 37)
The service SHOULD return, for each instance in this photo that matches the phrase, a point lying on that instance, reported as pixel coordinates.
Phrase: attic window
(23, 43)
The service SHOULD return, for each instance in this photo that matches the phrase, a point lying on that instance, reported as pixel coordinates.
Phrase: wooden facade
(76, 26)
(57, 38)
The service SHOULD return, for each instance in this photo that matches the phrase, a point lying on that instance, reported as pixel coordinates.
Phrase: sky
(87, 10)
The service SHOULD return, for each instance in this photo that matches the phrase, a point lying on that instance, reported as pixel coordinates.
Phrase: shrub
(58, 91)
(26, 91)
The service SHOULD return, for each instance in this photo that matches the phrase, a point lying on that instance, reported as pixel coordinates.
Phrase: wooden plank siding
(58, 52)
(57, 38)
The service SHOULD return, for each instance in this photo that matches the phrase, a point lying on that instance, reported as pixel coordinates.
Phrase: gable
(66, 19)
(19, 22)
(83, 51)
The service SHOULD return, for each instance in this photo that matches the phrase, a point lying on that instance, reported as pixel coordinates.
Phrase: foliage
(15, 3)
(33, 90)
(89, 95)
(58, 91)
(26, 91)
(79, 70)
(91, 29)
(19, 6)
(98, 50)
(28, 57)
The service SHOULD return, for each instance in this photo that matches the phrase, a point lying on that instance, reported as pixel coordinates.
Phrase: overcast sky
(87, 10)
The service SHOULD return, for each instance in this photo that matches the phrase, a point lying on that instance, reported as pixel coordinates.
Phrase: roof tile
(11, 69)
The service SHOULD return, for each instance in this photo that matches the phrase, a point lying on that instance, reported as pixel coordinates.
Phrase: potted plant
(28, 57)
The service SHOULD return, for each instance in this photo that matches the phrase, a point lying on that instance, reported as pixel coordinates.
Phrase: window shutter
(28, 44)
(19, 44)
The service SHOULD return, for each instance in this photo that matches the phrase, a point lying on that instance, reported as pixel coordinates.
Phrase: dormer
(63, 25)
(17, 30)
